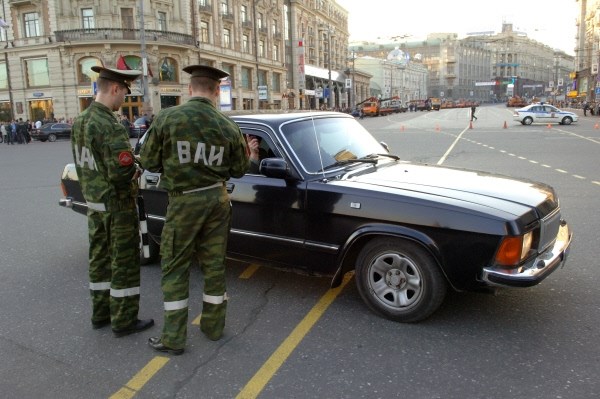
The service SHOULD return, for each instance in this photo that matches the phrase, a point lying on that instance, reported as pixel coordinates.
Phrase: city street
(539, 342)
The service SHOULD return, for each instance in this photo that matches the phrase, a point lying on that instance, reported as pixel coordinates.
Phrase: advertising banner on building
(301, 61)
(225, 97)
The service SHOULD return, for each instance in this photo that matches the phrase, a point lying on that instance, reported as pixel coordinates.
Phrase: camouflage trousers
(114, 269)
(196, 224)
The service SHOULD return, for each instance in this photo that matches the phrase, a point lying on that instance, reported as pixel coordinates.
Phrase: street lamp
(330, 30)
(352, 89)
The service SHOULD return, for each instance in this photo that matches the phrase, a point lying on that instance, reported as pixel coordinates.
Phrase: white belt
(97, 206)
(219, 184)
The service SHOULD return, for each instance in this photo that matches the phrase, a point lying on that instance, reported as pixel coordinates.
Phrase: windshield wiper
(348, 161)
(394, 157)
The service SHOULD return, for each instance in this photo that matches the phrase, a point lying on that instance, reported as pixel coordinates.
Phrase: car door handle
(230, 187)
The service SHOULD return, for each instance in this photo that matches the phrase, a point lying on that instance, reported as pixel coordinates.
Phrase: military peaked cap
(117, 75)
(206, 72)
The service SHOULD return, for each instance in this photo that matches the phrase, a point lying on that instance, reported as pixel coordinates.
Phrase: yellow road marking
(257, 383)
(249, 271)
(141, 378)
(196, 321)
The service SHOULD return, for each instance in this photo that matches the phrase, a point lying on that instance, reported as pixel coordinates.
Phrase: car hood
(454, 185)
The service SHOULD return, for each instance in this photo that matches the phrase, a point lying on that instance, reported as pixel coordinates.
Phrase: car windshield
(319, 143)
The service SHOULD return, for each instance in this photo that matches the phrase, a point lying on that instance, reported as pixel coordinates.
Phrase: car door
(268, 214)
(552, 114)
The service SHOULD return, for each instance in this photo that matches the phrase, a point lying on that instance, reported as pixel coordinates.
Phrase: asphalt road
(540, 342)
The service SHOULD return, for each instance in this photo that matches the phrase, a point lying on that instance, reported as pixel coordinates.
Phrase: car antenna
(312, 119)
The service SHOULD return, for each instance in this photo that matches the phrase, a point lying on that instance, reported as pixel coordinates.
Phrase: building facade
(483, 67)
(49, 46)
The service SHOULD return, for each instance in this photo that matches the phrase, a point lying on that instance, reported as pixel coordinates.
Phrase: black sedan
(51, 132)
(328, 199)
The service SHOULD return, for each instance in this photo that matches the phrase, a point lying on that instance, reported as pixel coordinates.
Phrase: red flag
(121, 64)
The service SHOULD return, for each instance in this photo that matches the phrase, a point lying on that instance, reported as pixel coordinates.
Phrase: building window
(168, 70)
(246, 44)
(226, 38)
(3, 77)
(204, 32)
(37, 72)
(261, 48)
(275, 52)
(262, 78)
(274, 27)
(276, 82)
(259, 21)
(246, 78)
(203, 3)
(32, 24)
(225, 7)
(87, 18)
(162, 21)
(84, 70)
(244, 13)
(230, 69)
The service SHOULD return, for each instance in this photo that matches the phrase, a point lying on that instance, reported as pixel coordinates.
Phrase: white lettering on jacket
(84, 158)
(185, 150)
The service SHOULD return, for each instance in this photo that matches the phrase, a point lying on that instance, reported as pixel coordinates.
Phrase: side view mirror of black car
(274, 167)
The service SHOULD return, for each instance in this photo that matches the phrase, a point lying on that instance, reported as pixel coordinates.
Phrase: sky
(551, 22)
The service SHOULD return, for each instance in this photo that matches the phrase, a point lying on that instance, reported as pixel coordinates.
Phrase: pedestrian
(585, 108)
(22, 132)
(197, 148)
(108, 176)
(473, 108)
(4, 133)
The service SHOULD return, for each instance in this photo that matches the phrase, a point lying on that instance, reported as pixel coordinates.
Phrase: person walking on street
(108, 176)
(585, 108)
(473, 109)
(197, 148)
(4, 133)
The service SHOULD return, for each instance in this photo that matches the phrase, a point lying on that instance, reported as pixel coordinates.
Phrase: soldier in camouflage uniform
(108, 176)
(197, 149)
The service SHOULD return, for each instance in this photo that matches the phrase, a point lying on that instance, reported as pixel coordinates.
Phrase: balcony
(109, 34)
(227, 16)
(263, 31)
(247, 24)
(205, 9)
(277, 36)
(18, 3)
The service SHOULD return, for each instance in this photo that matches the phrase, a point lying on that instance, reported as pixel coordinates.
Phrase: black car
(138, 128)
(52, 131)
(329, 199)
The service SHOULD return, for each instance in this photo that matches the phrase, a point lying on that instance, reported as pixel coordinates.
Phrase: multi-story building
(587, 52)
(484, 66)
(49, 46)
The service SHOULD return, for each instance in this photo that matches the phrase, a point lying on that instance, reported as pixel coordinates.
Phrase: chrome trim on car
(66, 202)
(535, 270)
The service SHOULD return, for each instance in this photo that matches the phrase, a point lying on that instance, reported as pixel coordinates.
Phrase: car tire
(567, 120)
(528, 120)
(52, 137)
(399, 279)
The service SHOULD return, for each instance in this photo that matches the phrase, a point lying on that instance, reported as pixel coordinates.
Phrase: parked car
(51, 132)
(138, 128)
(329, 199)
(543, 113)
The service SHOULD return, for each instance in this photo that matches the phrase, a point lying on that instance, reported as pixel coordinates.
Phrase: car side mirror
(274, 167)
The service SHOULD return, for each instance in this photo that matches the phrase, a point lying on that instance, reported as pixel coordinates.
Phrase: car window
(318, 143)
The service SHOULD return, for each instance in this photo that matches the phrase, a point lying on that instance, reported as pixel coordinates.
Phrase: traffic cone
(505, 126)
(402, 128)
(596, 126)
(549, 126)
(437, 128)
(471, 125)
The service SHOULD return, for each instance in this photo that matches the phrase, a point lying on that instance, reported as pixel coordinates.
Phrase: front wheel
(399, 280)
(528, 120)
(52, 137)
(567, 120)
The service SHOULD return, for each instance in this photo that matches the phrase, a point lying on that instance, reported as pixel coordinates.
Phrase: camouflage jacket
(194, 145)
(103, 156)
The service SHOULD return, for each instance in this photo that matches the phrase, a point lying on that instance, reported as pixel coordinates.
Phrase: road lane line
(258, 382)
(141, 378)
(443, 158)
(249, 271)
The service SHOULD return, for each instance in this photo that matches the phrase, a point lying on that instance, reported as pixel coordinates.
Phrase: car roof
(276, 119)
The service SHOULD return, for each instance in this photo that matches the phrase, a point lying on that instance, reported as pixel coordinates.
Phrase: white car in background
(543, 113)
